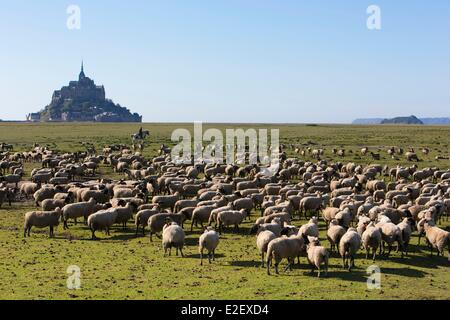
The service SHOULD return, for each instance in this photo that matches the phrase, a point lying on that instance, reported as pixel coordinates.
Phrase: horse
(141, 135)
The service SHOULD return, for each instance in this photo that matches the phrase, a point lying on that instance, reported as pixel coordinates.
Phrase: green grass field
(125, 267)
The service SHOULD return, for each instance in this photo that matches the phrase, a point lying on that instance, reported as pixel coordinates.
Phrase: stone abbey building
(83, 100)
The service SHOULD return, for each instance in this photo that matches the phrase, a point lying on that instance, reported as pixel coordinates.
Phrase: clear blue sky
(232, 60)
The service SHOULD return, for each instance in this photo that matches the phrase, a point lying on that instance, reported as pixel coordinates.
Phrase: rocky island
(82, 101)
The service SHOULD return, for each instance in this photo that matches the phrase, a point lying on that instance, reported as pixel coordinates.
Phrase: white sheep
(406, 227)
(371, 239)
(334, 234)
(391, 233)
(348, 247)
(41, 219)
(209, 240)
(173, 236)
(436, 237)
(310, 229)
(102, 219)
(262, 241)
(317, 255)
(284, 248)
(78, 210)
(231, 217)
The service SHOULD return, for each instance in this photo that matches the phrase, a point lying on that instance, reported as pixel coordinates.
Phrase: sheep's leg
(214, 255)
(137, 230)
(312, 267)
(288, 266)
(181, 252)
(367, 253)
(276, 267)
(201, 256)
(143, 230)
(51, 232)
(343, 260)
(262, 259)
(374, 253)
(318, 275)
(151, 238)
(176, 251)
(192, 225)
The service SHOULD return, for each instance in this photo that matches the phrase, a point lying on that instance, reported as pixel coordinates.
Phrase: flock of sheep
(370, 207)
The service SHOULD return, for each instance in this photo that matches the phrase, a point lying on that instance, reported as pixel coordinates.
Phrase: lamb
(334, 234)
(371, 239)
(102, 219)
(317, 255)
(284, 247)
(172, 236)
(436, 237)
(348, 247)
(41, 219)
(156, 222)
(78, 210)
(231, 217)
(209, 240)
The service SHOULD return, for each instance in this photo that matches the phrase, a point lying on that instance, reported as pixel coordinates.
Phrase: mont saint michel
(82, 101)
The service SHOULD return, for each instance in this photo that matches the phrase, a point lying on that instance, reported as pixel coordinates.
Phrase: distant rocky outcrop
(82, 100)
(404, 120)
